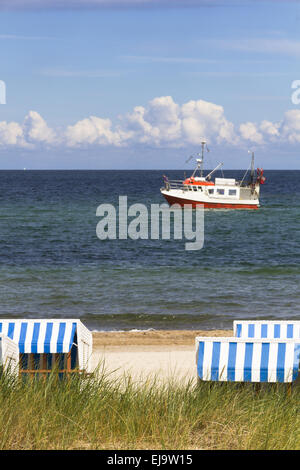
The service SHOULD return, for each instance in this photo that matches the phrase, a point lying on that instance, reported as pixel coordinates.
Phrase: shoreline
(143, 355)
(152, 337)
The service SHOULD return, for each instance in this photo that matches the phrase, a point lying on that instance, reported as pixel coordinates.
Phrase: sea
(53, 265)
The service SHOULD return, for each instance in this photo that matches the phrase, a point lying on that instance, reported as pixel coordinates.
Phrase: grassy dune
(101, 413)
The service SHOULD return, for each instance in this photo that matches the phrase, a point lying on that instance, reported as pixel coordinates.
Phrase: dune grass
(103, 413)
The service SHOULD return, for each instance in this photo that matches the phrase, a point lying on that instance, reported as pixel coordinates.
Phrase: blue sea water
(53, 265)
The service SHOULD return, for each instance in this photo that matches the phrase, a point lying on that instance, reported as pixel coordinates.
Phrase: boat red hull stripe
(208, 205)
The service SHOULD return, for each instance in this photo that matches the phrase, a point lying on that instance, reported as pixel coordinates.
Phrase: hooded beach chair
(247, 359)
(47, 344)
(266, 329)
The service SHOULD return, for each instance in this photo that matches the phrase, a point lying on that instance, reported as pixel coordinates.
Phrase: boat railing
(178, 184)
(174, 184)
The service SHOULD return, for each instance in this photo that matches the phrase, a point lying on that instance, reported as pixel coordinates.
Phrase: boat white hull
(178, 196)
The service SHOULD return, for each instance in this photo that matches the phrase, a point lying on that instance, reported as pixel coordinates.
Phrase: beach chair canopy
(266, 329)
(41, 336)
(247, 360)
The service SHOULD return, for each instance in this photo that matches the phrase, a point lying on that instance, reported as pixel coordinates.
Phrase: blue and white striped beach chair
(50, 338)
(247, 360)
(266, 329)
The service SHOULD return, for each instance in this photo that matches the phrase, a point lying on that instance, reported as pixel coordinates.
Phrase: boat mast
(202, 158)
(200, 161)
(252, 168)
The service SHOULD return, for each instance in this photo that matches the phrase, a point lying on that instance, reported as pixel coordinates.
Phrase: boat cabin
(220, 188)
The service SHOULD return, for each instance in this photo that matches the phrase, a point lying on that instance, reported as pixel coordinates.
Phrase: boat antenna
(201, 162)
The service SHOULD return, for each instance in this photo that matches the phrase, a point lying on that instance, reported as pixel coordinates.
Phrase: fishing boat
(220, 193)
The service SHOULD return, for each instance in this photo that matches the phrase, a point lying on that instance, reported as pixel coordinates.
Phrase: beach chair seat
(266, 329)
(247, 360)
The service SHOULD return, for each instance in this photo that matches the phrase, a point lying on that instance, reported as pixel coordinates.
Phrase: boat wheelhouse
(226, 193)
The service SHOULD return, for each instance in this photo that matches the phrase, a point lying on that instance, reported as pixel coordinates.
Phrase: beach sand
(145, 355)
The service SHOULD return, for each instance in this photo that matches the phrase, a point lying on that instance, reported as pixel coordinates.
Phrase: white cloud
(161, 123)
(92, 131)
(11, 134)
(158, 124)
(165, 123)
(290, 127)
(137, 128)
(269, 128)
(204, 120)
(36, 129)
(249, 132)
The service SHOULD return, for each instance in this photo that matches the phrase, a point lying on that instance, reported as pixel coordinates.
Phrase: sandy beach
(147, 354)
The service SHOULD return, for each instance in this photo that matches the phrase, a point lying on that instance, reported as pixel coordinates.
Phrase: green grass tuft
(99, 412)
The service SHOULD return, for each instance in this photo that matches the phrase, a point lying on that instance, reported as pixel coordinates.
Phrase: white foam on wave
(134, 330)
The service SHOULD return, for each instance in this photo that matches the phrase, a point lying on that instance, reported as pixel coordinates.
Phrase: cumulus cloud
(271, 129)
(250, 132)
(201, 119)
(33, 131)
(290, 127)
(165, 123)
(36, 130)
(163, 114)
(92, 131)
(161, 123)
(158, 124)
(11, 134)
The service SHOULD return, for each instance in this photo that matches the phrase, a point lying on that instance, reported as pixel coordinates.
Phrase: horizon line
(138, 169)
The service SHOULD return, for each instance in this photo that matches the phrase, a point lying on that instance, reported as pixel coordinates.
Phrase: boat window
(221, 191)
(232, 192)
(190, 188)
(195, 188)
(210, 191)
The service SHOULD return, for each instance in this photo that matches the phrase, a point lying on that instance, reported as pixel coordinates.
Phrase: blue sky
(139, 84)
